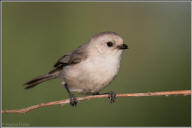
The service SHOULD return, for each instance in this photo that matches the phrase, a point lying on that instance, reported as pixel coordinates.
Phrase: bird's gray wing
(73, 57)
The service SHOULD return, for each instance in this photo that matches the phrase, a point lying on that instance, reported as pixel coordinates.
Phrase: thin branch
(66, 101)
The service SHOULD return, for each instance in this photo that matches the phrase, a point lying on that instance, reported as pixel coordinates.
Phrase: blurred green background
(35, 35)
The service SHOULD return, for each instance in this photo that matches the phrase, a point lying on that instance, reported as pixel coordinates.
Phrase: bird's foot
(112, 96)
(73, 101)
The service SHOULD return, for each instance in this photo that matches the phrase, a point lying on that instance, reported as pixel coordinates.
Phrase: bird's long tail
(50, 75)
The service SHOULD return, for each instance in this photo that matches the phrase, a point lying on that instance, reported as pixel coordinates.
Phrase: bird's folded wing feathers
(73, 57)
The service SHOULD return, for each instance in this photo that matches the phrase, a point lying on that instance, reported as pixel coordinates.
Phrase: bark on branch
(66, 101)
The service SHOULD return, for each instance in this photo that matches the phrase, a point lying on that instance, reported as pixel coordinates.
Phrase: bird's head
(107, 43)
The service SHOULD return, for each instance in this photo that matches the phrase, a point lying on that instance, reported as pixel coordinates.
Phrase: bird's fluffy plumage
(89, 68)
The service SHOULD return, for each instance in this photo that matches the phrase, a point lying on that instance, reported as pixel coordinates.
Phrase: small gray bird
(89, 68)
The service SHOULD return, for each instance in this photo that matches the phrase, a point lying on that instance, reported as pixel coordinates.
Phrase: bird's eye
(109, 44)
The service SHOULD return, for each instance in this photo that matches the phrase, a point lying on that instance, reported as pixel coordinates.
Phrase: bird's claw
(73, 101)
(112, 96)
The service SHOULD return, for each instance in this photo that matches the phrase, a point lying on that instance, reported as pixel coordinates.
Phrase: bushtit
(89, 68)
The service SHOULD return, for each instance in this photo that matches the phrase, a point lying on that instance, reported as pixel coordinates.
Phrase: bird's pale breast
(91, 75)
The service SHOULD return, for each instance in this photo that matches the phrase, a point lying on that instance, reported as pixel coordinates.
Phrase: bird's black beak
(123, 46)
